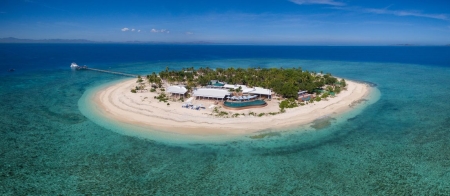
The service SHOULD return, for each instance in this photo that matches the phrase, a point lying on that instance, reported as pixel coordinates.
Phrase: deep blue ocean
(399, 145)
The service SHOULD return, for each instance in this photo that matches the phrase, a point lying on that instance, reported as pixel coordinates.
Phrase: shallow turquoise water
(397, 146)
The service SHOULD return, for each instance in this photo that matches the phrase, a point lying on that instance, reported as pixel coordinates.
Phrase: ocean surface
(399, 145)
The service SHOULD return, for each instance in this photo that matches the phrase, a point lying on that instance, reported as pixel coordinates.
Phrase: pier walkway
(107, 71)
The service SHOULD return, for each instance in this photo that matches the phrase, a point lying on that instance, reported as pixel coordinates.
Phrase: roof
(261, 91)
(302, 92)
(245, 89)
(210, 92)
(176, 89)
(234, 86)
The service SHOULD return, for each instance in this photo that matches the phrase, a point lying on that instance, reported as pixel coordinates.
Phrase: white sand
(141, 109)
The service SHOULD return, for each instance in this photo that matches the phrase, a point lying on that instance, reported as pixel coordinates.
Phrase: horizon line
(13, 40)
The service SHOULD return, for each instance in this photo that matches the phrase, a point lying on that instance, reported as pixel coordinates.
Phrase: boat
(74, 66)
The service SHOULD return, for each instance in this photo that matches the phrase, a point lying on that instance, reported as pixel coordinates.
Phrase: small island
(208, 101)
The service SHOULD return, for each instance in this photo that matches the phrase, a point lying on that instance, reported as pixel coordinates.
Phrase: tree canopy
(285, 82)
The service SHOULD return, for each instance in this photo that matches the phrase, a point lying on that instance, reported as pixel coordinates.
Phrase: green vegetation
(284, 82)
(288, 103)
(139, 80)
(337, 89)
(222, 113)
(329, 88)
(162, 97)
(342, 83)
(218, 113)
(154, 80)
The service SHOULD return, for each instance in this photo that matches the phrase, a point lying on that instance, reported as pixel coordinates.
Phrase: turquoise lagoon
(53, 141)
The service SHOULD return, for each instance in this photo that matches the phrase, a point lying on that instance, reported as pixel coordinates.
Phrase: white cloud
(135, 30)
(159, 31)
(189, 33)
(323, 2)
(386, 11)
(406, 13)
(342, 6)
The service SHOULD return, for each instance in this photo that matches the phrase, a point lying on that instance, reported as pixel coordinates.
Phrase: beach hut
(258, 91)
(178, 90)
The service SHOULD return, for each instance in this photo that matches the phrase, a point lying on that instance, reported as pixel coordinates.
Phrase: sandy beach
(142, 109)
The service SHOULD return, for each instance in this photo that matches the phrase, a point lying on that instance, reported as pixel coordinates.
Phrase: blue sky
(291, 22)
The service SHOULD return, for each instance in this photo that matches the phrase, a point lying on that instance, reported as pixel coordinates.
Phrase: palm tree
(239, 91)
(282, 81)
(231, 90)
(304, 78)
(330, 89)
(170, 80)
(343, 84)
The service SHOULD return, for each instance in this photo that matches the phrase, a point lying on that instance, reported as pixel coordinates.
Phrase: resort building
(215, 84)
(221, 91)
(304, 96)
(177, 90)
(211, 93)
(258, 91)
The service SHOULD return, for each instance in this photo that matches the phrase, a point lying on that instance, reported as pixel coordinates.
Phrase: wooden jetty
(106, 71)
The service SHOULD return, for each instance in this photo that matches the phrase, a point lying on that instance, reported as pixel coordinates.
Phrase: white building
(180, 90)
(252, 91)
(211, 93)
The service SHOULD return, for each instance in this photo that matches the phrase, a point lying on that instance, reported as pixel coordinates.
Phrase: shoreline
(116, 102)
